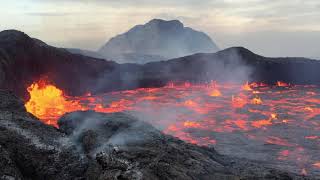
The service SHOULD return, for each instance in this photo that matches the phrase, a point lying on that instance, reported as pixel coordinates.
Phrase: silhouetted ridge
(24, 60)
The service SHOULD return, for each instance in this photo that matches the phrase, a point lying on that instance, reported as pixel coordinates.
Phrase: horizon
(268, 28)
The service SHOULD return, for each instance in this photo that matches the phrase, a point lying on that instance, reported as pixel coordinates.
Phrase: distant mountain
(24, 60)
(157, 40)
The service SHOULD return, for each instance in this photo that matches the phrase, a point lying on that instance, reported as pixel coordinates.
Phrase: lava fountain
(47, 102)
(278, 125)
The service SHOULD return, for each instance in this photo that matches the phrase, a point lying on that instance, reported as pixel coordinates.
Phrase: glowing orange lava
(239, 102)
(250, 115)
(215, 93)
(247, 87)
(274, 116)
(256, 100)
(262, 123)
(282, 84)
(191, 124)
(48, 102)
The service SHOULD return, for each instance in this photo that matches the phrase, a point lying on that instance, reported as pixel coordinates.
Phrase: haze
(267, 27)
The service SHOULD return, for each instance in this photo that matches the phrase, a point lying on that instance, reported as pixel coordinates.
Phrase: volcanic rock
(9, 170)
(157, 40)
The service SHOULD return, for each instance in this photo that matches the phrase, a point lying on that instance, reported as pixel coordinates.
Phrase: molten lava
(256, 100)
(282, 84)
(239, 102)
(47, 102)
(280, 123)
(215, 93)
(247, 87)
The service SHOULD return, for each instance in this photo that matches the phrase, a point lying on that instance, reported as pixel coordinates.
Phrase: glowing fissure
(200, 114)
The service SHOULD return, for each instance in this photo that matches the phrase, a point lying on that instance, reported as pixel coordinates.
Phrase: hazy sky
(267, 27)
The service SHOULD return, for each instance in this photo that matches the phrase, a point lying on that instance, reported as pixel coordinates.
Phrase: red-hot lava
(278, 124)
(47, 102)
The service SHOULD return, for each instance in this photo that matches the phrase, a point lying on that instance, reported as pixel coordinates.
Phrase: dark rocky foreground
(92, 145)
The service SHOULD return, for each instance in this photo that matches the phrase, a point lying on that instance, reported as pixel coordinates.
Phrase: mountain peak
(12, 32)
(158, 38)
(165, 24)
(242, 51)
(164, 21)
(12, 35)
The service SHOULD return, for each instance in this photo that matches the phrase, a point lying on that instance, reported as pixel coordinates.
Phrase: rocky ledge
(90, 145)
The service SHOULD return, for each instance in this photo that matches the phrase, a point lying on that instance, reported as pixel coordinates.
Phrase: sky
(266, 27)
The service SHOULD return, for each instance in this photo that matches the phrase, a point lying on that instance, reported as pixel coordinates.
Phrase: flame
(286, 121)
(246, 87)
(47, 102)
(274, 116)
(256, 92)
(309, 109)
(257, 84)
(282, 84)
(191, 124)
(215, 93)
(256, 100)
(261, 123)
(241, 124)
(190, 103)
